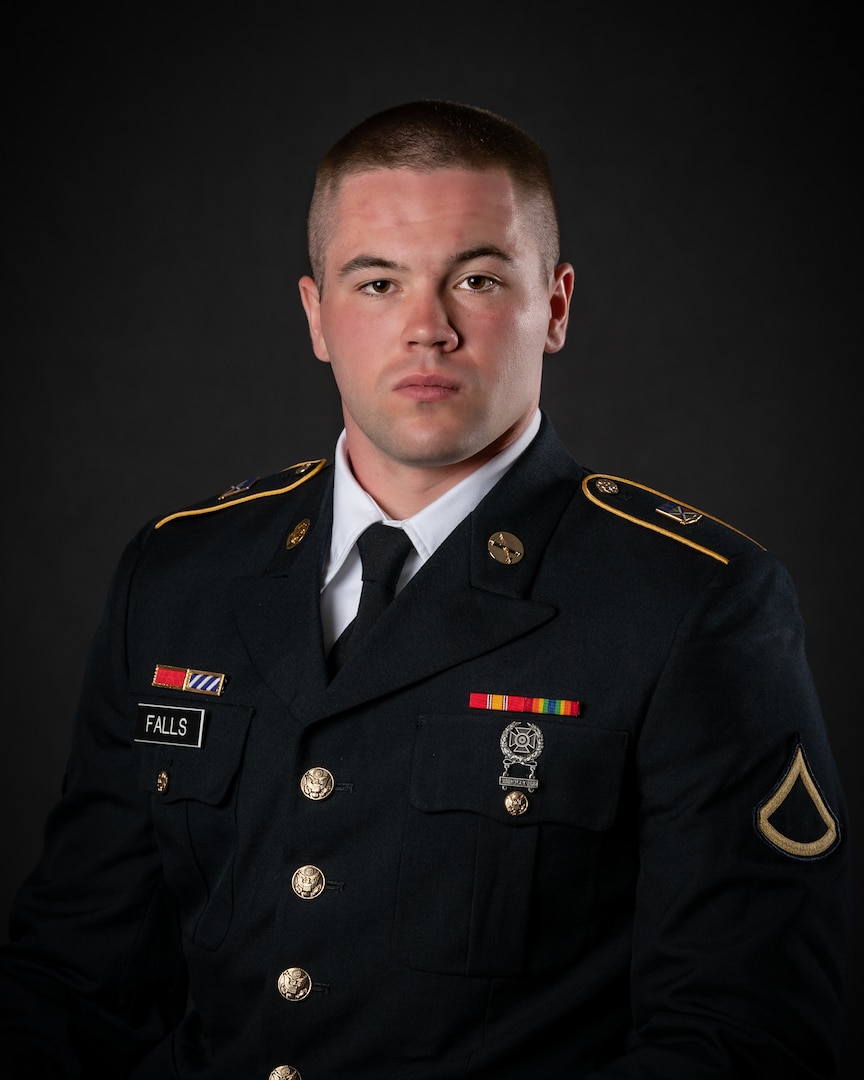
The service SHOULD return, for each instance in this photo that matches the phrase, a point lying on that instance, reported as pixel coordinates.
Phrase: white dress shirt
(354, 510)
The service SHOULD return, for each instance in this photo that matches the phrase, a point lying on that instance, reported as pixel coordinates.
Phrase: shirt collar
(354, 509)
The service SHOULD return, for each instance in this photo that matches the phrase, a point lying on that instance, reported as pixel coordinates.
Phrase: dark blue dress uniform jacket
(672, 904)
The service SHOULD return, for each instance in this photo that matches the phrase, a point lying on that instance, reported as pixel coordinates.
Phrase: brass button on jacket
(307, 882)
(284, 1072)
(294, 984)
(317, 783)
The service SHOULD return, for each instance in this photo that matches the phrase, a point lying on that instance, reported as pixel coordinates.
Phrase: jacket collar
(461, 604)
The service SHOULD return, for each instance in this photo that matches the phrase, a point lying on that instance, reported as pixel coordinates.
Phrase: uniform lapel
(278, 614)
(460, 605)
(463, 603)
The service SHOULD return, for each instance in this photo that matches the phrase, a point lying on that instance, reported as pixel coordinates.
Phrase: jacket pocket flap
(174, 770)
(571, 774)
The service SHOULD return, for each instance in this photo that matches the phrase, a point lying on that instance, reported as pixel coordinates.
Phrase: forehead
(401, 205)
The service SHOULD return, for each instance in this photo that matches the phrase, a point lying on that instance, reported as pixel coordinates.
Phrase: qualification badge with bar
(521, 741)
(521, 745)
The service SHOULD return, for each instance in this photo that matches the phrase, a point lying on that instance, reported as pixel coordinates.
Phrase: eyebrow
(375, 262)
(487, 251)
(368, 262)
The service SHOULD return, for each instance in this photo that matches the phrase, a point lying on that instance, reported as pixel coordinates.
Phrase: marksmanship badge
(521, 744)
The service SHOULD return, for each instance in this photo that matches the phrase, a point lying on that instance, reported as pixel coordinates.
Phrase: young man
(564, 807)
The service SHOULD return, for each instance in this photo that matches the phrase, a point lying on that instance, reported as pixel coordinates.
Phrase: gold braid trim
(314, 467)
(656, 528)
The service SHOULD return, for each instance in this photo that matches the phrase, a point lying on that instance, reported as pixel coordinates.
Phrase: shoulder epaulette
(295, 475)
(653, 510)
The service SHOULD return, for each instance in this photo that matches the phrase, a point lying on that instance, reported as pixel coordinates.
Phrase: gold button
(294, 984)
(317, 783)
(297, 533)
(284, 1072)
(516, 803)
(505, 548)
(307, 882)
(162, 782)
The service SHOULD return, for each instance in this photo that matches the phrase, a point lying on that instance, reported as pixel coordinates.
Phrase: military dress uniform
(567, 810)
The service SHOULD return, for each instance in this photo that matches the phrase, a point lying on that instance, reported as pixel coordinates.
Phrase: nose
(428, 322)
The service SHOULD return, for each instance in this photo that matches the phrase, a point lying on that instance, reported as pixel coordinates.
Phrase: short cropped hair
(427, 135)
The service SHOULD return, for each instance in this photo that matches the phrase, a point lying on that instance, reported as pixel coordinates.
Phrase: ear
(559, 307)
(311, 300)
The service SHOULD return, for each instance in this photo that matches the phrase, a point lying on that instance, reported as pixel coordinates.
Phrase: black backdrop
(160, 162)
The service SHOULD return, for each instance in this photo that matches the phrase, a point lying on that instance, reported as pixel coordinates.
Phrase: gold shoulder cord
(656, 528)
(314, 467)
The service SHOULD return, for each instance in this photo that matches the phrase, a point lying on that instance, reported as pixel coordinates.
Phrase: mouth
(426, 387)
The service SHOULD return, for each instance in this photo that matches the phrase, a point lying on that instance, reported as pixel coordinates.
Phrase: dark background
(160, 159)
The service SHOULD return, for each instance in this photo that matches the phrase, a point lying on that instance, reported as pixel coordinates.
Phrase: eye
(478, 283)
(379, 287)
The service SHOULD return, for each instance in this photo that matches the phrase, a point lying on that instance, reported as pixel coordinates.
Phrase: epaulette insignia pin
(607, 486)
(679, 513)
(301, 468)
(191, 679)
(235, 489)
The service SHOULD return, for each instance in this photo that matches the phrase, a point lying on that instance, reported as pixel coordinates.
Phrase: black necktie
(383, 550)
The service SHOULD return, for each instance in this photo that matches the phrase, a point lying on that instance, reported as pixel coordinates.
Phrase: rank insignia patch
(795, 819)
(197, 682)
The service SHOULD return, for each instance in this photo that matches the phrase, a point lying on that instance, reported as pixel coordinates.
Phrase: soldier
(452, 758)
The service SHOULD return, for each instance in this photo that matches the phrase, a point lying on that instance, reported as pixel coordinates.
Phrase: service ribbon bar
(514, 703)
(199, 682)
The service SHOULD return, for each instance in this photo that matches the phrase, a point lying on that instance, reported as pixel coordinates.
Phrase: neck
(402, 491)
(402, 487)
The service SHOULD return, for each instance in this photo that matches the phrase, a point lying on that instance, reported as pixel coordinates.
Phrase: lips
(426, 387)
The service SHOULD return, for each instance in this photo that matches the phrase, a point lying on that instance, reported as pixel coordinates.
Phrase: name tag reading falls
(169, 725)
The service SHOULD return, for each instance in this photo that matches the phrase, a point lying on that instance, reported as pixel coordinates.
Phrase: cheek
(354, 360)
(350, 336)
(511, 346)
(492, 337)
(517, 328)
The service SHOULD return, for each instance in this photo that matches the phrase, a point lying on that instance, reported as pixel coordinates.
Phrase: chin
(441, 453)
